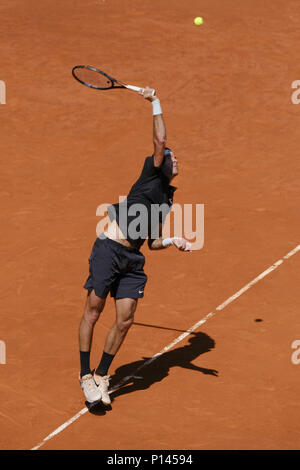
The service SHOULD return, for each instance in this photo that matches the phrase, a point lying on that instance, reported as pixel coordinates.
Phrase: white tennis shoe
(103, 384)
(91, 391)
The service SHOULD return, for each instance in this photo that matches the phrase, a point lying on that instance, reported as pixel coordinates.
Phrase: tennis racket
(95, 78)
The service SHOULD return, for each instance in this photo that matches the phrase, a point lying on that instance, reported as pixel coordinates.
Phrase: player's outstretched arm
(161, 243)
(159, 129)
(180, 243)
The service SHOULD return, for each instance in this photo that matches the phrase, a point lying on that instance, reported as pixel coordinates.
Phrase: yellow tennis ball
(198, 21)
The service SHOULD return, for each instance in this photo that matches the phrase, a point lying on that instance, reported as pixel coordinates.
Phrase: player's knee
(124, 324)
(92, 315)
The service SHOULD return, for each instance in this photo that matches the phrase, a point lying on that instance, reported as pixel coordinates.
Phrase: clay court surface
(225, 89)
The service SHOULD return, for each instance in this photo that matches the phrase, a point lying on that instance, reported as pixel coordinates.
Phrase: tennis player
(116, 262)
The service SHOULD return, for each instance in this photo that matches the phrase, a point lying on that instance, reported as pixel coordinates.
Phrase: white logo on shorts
(141, 291)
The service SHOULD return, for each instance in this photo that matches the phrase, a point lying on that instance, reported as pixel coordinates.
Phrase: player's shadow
(99, 409)
(157, 370)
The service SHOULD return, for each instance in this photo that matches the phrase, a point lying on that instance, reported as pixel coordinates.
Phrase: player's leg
(125, 308)
(93, 307)
(102, 273)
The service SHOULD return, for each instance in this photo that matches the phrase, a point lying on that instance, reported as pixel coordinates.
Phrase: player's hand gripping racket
(95, 78)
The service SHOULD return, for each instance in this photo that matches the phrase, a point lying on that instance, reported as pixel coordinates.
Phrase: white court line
(177, 340)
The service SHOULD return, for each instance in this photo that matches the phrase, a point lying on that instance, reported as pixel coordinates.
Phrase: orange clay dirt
(225, 90)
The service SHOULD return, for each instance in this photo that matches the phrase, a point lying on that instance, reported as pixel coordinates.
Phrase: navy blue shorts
(117, 269)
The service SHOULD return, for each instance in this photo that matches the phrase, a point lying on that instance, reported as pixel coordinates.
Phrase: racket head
(94, 78)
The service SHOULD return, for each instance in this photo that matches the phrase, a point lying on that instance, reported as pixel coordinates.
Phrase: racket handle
(136, 88)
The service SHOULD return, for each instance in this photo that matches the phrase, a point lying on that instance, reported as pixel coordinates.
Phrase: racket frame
(112, 80)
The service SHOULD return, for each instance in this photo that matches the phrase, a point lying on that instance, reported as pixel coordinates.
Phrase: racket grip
(136, 88)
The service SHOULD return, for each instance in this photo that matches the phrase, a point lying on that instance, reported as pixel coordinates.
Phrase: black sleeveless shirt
(151, 190)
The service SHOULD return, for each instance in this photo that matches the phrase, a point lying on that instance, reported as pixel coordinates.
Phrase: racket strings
(93, 78)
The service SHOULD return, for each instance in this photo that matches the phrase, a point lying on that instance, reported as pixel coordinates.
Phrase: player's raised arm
(159, 130)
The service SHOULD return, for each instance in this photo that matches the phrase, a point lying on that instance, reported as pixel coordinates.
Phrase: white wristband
(167, 241)
(156, 108)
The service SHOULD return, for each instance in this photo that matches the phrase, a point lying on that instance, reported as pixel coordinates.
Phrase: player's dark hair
(167, 165)
(167, 151)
